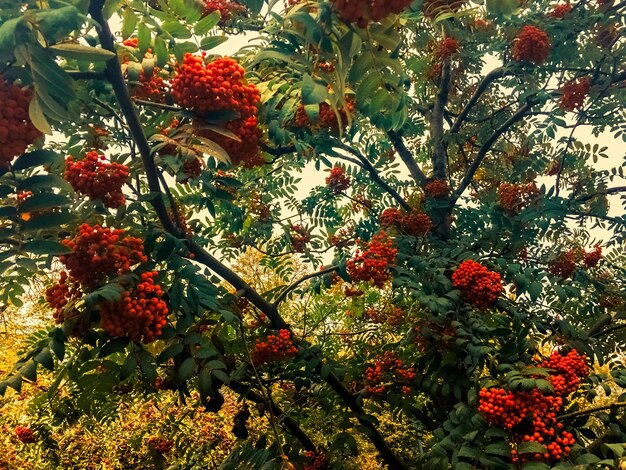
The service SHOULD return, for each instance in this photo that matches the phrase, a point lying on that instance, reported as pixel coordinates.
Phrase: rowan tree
(463, 237)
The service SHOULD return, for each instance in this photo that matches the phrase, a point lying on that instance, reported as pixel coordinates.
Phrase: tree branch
(618, 189)
(306, 277)
(588, 411)
(482, 152)
(439, 156)
(495, 74)
(406, 156)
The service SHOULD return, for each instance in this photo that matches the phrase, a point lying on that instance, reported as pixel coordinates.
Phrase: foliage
(439, 231)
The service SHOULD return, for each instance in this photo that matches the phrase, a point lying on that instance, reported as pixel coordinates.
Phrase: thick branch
(436, 123)
(609, 330)
(495, 74)
(588, 411)
(606, 192)
(406, 156)
(367, 166)
(285, 292)
(484, 149)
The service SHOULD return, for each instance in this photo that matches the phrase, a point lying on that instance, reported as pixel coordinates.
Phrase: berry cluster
(315, 461)
(216, 86)
(97, 179)
(531, 45)
(98, 252)
(388, 368)
(414, 223)
(59, 295)
(478, 285)
(390, 315)
(362, 12)
(275, 348)
(447, 48)
(192, 168)
(160, 445)
(560, 11)
(574, 93)
(373, 263)
(337, 180)
(300, 237)
(437, 189)
(565, 263)
(327, 117)
(607, 35)
(226, 9)
(568, 371)
(140, 314)
(246, 152)
(431, 335)
(532, 416)
(151, 86)
(17, 131)
(25, 435)
(23, 195)
(514, 198)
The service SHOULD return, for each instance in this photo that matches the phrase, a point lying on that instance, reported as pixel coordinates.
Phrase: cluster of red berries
(434, 8)
(568, 370)
(478, 285)
(215, 86)
(508, 409)
(226, 9)
(160, 445)
(59, 295)
(415, 223)
(192, 168)
(151, 86)
(23, 195)
(97, 179)
(560, 11)
(337, 180)
(388, 368)
(140, 314)
(300, 237)
(447, 48)
(25, 435)
(247, 151)
(373, 263)
(390, 315)
(261, 209)
(574, 93)
(514, 198)
(439, 337)
(98, 252)
(531, 45)
(275, 348)
(315, 461)
(17, 131)
(327, 117)
(564, 265)
(437, 189)
(362, 12)
(607, 35)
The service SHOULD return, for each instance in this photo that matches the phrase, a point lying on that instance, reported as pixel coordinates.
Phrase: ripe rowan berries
(434, 8)
(99, 252)
(300, 237)
(60, 294)
(216, 86)
(361, 12)
(247, 151)
(447, 48)
(389, 315)
(337, 180)
(437, 189)
(563, 265)
(192, 168)
(478, 285)
(327, 118)
(226, 9)
(275, 348)
(592, 258)
(531, 45)
(388, 367)
(25, 434)
(17, 131)
(606, 35)
(568, 370)
(315, 461)
(97, 179)
(574, 93)
(414, 223)
(372, 265)
(560, 11)
(160, 445)
(140, 314)
(151, 87)
(514, 198)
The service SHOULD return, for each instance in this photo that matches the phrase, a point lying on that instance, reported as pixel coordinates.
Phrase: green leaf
(81, 52)
(160, 49)
(531, 447)
(221, 375)
(129, 22)
(176, 29)
(534, 290)
(207, 23)
(15, 382)
(204, 383)
(113, 346)
(143, 37)
(36, 116)
(170, 352)
(45, 359)
(186, 369)
(498, 448)
(29, 371)
(46, 247)
(36, 158)
(59, 22)
(41, 201)
(210, 42)
(48, 221)
(535, 466)
(617, 449)
(129, 366)
(8, 32)
(313, 92)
